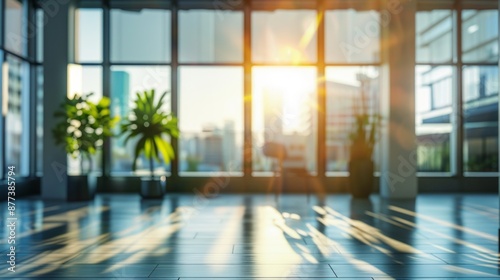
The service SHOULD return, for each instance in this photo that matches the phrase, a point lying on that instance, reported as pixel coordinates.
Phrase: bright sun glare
(289, 90)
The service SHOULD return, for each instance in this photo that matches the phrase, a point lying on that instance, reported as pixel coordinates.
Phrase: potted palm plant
(364, 137)
(82, 128)
(361, 166)
(152, 127)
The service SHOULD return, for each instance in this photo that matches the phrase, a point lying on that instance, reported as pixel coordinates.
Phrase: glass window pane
(433, 98)
(480, 36)
(17, 118)
(211, 119)
(284, 36)
(88, 35)
(84, 80)
(15, 33)
(140, 36)
(284, 112)
(352, 36)
(434, 38)
(349, 91)
(126, 81)
(209, 36)
(480, 109)
(39, 34)
(39, 121)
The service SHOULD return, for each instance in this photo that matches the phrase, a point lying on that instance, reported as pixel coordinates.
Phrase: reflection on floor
(247, 237)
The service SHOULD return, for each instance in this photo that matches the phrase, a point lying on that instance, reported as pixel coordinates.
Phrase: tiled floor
(248, 237)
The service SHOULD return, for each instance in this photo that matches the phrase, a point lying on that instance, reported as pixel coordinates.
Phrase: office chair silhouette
(277, 152)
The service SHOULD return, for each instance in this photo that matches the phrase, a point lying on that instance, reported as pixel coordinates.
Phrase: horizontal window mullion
(351, 64)
(479, 64)
(211, 64)
(89, 63)
(23, 58)
(139, 64)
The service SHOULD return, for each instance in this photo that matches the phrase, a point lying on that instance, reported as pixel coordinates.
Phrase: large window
(434, 90)
(480, 90)
(20, 73)
(438, 117)
(126, 82)
(349, 91)
(284, 98)
(284, 111)
(480, 118)
(352, 55)
(210, 107)
(86, 81)
(211, 119)
(434, 113)
(17, 117)
(239, 86)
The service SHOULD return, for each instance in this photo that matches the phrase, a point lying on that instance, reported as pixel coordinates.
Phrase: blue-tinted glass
(15, 33)
(39, 34)
(434, 36)
(126, 81)
(39, 121)
(480, 119)
(480, 36)
(88, 35)
(433, 127)
(17, 118)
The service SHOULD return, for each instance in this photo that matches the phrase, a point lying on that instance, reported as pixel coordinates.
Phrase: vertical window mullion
(32, 90)
(25, 119)
(106, 82)
(321, 97)
(2, 24)
(174, 82)
(459, 123)
(247, 83)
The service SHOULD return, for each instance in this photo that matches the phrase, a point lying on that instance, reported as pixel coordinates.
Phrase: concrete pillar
(398, 142)
(58, 53)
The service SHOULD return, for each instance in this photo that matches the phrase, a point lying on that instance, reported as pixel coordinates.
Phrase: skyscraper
(120, 88)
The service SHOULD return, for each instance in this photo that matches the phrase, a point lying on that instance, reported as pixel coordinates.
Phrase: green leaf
(147, 148)
(104, 102)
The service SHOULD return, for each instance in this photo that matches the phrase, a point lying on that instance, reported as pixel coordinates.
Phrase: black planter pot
(81, 188)
(361, 178)
(153, 188)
